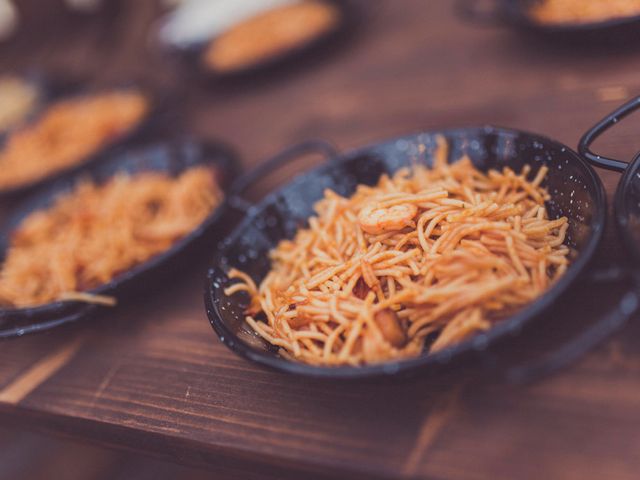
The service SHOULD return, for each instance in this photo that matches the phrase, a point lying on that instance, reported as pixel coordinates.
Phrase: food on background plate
(582, 11)
(17, 100)
(421, 261)
(66, 133)
(95, 232)
(270, 34)
(196, 21)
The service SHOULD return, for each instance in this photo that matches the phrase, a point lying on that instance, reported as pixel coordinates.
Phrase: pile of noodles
(95, 232)
(66, 133)
(270, 34)
(583, 11)
(422, 260)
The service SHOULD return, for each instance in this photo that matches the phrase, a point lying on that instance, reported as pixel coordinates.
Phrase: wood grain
(29, 456)
(153, 378)
(38, 373)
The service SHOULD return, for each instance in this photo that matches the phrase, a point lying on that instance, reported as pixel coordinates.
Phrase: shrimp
(375, 219)
(389, 325)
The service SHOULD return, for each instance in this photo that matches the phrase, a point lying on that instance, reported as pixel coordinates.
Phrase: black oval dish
(192, 53)
(149, 122)
(515, 13)
(627, 210)
(627, 196)
(576, 192)
(170, 157)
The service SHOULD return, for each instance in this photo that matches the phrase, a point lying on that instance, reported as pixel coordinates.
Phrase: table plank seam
(431, 427)
(39, 372)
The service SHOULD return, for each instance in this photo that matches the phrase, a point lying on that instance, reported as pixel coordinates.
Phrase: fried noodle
(270, 34)
(420, 261)
(583, 11)
(66, 133)
(95, 232)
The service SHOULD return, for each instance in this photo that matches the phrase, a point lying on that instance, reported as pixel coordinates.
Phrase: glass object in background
(18, 99)
(8, 19)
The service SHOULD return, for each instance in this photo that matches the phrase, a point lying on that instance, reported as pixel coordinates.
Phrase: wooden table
(153, 378)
